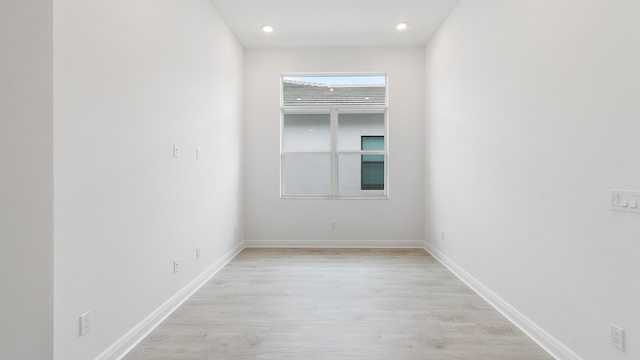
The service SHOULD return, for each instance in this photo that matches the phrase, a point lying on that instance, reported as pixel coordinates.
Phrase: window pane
(306, 132)
(333, 135)
(307, 174)
(373, 143)
(372, 166)
(352, 170)
(313, 90)
(352, 127)
(372, 172)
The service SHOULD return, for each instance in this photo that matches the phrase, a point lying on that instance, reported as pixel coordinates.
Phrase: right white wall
(533, 115)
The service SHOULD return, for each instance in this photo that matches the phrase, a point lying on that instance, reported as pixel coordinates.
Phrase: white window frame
(334, 110)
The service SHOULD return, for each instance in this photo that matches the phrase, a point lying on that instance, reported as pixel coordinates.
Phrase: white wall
(269, 218)
(26, 180)
(532, 116)
(133, 78)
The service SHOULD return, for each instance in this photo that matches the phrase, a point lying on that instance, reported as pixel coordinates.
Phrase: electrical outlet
(176, 265)
(176, 150)
(333, 225)
(617, 337)
(85, 322)
(197, 253)
(197, 153)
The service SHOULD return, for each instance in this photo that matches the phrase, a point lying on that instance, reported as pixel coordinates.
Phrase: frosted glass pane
(307, 174)
(307, 132)
(352, 127)
(350, 174)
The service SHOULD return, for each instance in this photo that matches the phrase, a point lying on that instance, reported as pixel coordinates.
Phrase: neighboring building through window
(334, 136)
(372, 166)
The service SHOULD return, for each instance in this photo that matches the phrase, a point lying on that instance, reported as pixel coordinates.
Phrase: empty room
(280, 179)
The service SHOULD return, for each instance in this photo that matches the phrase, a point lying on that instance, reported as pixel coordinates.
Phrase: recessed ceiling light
(402, 26)
(267, 28)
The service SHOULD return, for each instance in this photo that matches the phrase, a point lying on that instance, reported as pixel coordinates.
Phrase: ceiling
(333, 23)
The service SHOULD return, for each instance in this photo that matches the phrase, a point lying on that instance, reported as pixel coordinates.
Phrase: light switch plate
(625, 200)
(85, 323)
(615, 199)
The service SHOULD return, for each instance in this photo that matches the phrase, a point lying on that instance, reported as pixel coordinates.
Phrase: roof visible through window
(334, 89)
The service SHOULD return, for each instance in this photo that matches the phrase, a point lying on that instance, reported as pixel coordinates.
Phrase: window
(334, 136)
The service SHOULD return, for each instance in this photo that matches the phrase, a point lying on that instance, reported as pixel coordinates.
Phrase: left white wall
(133, 78)
(26, 179)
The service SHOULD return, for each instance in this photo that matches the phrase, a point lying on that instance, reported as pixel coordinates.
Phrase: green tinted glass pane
(372, 173)
(373, 158)
(373, 143)
(372, 166)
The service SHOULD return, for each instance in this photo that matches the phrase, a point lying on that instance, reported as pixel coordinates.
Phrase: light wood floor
(335, 304)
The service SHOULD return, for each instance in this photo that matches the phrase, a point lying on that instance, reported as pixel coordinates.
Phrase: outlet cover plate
(617, 337)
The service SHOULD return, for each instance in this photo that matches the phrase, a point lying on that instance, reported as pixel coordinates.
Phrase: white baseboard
(128, 341)
(545, 340)
(419, 244)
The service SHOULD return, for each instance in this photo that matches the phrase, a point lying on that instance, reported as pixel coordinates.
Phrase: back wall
(397, 221)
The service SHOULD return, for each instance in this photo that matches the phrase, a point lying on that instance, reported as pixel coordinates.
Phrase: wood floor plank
(336, 304)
